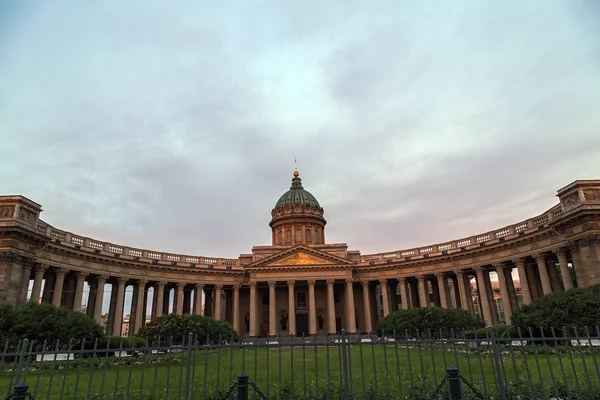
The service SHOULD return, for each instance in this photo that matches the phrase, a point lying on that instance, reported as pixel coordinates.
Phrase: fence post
(22, 359)
(454, 383)
(188, 370)
(20, 391)
(242, 386)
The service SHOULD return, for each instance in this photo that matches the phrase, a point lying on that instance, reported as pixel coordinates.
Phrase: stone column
(543, 270)
(198, 299)
(78, 299)
(272, 310)
(367, 306)
(25, 282)
(403, 292)
(179, 299)
(520, 263)
(506, 302)
(120, 303)
(442, 289)
(160, 297)
(218, 290)
(187, 301)
(331, 328)
(59, 281)
(586, 254)
(565, 273)
(484, 303)
(350, 314)
(385, 297)
(423, 292)
(139, 307)
(291, 309)
(100, 282)
(236, 307)
(36, 291)
(253, 310)
(312, 312)
(462, 289)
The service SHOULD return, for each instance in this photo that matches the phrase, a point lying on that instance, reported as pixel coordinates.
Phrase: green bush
(44, 322)
(577, 307)
(7, 320)
(175, 329)
(424, 320)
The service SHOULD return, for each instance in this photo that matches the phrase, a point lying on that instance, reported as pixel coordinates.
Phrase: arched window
(316, 236)
(280, 237)
(308, 235)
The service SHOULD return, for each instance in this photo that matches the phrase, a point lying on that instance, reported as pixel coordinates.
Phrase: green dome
(297, 195)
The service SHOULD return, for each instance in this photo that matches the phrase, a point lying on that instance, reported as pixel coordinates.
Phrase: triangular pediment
(301, 255)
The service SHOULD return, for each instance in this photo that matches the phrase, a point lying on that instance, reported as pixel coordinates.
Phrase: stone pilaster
(331, 328)
(385, 297)
(291, 308)
(350, 313)
(312, 311)
(367, 306)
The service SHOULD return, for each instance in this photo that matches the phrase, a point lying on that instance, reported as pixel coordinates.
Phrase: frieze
(124, 271)
(86, 264)
(554, 240)
(65, 260)
(571, 200)
(7, 212)
(592, 194)
(27, 216)
(515, 251)
(105, 268)
(534, 246)
(45, 256)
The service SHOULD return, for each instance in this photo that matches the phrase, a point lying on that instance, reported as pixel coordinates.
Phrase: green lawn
(315, 372)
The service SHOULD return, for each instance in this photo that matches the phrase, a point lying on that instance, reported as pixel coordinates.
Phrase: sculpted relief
(301, 258)
(592, 194)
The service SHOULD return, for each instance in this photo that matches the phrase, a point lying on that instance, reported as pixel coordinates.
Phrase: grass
(374, 369)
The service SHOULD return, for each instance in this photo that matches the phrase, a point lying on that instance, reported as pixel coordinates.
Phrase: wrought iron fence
(563, 365)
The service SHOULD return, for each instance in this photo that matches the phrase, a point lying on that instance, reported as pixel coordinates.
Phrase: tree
(577, 307)
(176, 328)
(45, 322)
(424, 320)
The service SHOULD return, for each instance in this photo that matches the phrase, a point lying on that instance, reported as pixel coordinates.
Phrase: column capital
(439, 275)
(383, 281)
(349, 281)
(180, 285)
(365, 283)
(252, 284)
(199, 286)
(141, 283)
(102, 278)
(237, 286)
(219, 286)
(122, 281)
(161, 284)
(458, 271)
(478, 269)
(539, 257)
(311, 282)
(291, 283)
(402, 279)
(519, 261)
(420, 277)
(82, 274)
(41, 267)
(499, 266)
(272, 284)
(61, 271)
(330, 282)
(560, 251)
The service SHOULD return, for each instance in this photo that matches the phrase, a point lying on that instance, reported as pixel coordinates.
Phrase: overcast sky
(173, 126)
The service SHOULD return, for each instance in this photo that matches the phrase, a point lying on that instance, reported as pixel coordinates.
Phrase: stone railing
(471, 242)
(115, 250)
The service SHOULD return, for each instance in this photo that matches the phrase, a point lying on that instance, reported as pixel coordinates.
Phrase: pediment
(301, 255)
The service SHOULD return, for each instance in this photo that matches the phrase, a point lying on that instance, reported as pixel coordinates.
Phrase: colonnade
(298, 307)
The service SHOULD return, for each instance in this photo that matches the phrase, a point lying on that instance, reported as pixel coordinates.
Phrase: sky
(173, 126)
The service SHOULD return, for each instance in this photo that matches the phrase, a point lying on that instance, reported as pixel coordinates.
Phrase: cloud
(174, 128)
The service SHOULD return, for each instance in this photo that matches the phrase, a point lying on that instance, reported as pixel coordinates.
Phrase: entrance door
(301, 325)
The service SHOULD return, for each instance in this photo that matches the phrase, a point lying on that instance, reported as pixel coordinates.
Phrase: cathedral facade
(301, 284)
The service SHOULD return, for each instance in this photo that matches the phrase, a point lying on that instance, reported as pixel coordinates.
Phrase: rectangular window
(280, 237)
(316, 236)
(298, 235)
(308, 235)
(288, 236)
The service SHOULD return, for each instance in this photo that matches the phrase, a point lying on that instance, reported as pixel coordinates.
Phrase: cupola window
(308, 235)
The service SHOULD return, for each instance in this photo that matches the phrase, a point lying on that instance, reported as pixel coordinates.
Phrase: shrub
(577, 307)
(176, 328)
(483, 333)
(44, 322)
(424, 320)
(7, 320)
